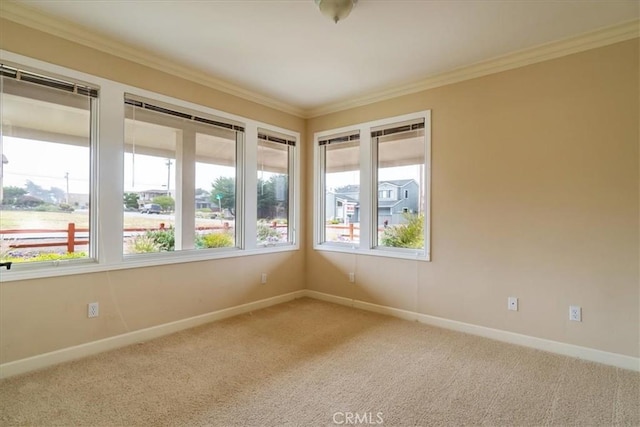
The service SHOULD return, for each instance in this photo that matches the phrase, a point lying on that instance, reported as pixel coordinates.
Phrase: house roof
(397, 182)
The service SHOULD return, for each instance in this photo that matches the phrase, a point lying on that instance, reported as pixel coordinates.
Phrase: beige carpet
(308, 363)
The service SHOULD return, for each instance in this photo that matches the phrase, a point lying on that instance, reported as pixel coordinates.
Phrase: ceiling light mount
(335, 9)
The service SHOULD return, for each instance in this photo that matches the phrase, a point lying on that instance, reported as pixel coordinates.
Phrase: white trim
(95, 347)
(367, 172)
(586, 353)
(557, 49)
(76, 352)
(605, 36)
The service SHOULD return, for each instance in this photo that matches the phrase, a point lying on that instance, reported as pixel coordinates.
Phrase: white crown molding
(78, 34)
(603, 37)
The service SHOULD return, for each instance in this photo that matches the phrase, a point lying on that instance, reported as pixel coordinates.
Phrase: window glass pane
(274, 159)
(149, 181)
(400, 170)
(45, 173)
(341, 179)
(216, 189)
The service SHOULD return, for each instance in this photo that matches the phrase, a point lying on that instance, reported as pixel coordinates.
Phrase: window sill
(138, 261)
(379, 252)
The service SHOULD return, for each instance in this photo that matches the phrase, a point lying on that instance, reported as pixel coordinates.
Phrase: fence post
(351, 231)
(71, 237)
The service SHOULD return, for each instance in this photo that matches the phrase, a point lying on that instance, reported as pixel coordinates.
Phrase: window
(177, 181)
(379, 175)
(275, 166)
(48, 135)
(339, 157)
(400, 152)
(186, 166)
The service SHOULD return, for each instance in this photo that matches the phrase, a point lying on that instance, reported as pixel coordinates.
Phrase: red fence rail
(70, 240)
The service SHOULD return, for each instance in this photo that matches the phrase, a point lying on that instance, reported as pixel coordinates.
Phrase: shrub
(408, 235)
(45, 256)
(143, 244)
(47, 207)
(164, 239)
(65, 207)
(216, 240)
(266, 233)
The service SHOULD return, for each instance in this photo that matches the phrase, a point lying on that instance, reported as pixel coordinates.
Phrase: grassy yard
(12, 220)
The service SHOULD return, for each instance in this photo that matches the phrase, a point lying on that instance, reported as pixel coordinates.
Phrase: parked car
(151, 208)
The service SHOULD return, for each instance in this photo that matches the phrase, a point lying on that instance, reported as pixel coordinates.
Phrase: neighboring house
(147, 196)
(203, 201)
(395, 197)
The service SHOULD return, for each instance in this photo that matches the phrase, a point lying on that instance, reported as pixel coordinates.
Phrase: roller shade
(400, 144)
(44, 108)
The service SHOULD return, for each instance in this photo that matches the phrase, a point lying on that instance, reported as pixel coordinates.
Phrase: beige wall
(38, 316)
(535, 194)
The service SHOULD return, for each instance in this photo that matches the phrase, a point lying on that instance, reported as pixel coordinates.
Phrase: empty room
(320, 212)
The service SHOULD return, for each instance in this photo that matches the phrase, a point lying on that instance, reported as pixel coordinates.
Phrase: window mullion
(367, 172)
(110, 179)
(250, 181)
(185, 189)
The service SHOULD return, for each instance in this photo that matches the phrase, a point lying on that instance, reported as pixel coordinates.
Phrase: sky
(47, 163)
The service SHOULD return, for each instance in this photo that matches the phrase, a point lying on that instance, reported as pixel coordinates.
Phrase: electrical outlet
(352, 277)
(512, 303)
(263, 278)
(92, 309)
(575, 313)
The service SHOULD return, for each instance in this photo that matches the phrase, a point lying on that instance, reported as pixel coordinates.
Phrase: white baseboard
(76, 352)
(586, 353)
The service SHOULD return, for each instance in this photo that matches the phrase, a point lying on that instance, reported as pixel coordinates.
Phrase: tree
(58, 195)
(29, 201)
(225, 188)
(11, 194)
(130, 200)
(201, 191)
(37, 191)
(166, 203)
(273, 196)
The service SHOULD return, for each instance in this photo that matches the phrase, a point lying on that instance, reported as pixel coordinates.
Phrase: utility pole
(66, 177)
(168, 177)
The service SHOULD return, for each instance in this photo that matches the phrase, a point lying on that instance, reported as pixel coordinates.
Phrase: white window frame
(109, 161)
(319, 191)
(292, 186)
(368, 192)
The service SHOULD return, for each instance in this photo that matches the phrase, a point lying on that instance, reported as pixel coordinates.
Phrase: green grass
(29, 220)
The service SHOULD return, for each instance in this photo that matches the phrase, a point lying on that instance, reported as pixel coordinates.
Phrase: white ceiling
(289, 52)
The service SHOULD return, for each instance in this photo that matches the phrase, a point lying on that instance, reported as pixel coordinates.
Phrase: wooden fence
(71, 240)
